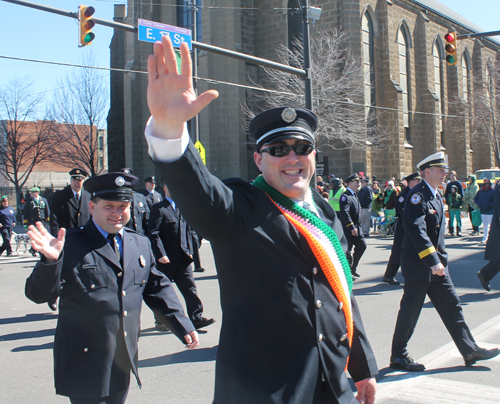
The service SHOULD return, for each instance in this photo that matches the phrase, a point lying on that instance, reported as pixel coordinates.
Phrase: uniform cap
(115, 186)
(150, 179)
(413, 176)
(352, 177)
(126, 170)
(35, 189)
(78, 173)
(434, 160)
(283, 123)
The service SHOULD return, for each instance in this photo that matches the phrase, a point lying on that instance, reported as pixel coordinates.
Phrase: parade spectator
(470, 206)
(455, 182)
(454, 202)
(492, 252)
(390, 196)
(7, 222)
(279, 307)
(365, 196)
(377, 204)
(484, 201)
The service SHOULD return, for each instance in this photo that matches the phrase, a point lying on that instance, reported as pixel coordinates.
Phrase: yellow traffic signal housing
(85, 34)
(451, 48)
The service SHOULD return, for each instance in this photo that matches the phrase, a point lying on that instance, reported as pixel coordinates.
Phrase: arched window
(438, 87)
(404, 78)
(294, 23)
(185, 16)
(368, 62)
(465, 78)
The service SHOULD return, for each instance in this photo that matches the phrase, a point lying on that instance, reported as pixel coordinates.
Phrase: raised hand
(42, 241)
(171, 96)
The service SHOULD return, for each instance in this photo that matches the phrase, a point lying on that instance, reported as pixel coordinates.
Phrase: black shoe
(200, 269)
(407, 363)
(480, 354)
(355, 274)
(484, 283)
(161, 327)
(10, 254)
(52, 305)
(390, 281)
(33, 252)
(203, 322)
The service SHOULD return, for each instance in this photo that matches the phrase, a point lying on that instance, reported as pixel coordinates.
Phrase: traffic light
(451, 48)
(86, 36)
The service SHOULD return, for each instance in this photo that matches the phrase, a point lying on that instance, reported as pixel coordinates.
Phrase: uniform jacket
(67, 212)
(282, 325)
(424, 229)
(492, 252)
(399, 232)
(139, 214)
(170, 234)
(350, 209)
(36, 210)
(152, 198)
(98, 328)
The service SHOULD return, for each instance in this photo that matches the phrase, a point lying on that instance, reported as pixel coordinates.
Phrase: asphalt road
(172, 375)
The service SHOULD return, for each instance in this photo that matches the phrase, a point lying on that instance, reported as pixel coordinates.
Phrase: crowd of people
(286, 258)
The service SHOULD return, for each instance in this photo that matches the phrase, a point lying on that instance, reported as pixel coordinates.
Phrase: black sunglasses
(283, 150)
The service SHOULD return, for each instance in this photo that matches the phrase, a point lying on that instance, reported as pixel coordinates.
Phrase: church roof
(455, 18)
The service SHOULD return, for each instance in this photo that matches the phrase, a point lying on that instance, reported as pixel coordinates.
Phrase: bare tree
(80, 105)
(24, 141)
(338, 93)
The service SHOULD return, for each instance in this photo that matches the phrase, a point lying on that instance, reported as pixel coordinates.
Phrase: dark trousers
(196, 257)
(182, 275)
(490, 270)
(447, 303)
(6, 236)
(118, 398)
(359, 245)
(391, 270)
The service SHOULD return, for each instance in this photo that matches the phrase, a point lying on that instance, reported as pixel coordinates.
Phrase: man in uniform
(492, 252)
(36, 209)
(286, 332)
(102, 272)
(425, 268)
(335, 194)
(350, 210)
(151, 194)
(172, 244)
(393, 264)
(70, 205)
(139, 210)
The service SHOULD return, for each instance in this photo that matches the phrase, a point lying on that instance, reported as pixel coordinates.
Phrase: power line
(219, 82)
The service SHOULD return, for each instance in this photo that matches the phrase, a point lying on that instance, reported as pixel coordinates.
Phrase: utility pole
(196, 119)
(307, 56)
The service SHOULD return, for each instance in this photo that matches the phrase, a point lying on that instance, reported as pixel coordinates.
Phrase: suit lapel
(100, 245)
(127, 248)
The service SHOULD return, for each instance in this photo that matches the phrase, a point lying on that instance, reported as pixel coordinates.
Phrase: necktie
(112, 239)
(306, 206)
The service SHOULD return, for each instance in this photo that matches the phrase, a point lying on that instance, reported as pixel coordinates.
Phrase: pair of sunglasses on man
(284, 150)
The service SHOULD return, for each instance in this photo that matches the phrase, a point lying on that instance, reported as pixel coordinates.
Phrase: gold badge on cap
(142, 261)
(120, 181)
(289, 115)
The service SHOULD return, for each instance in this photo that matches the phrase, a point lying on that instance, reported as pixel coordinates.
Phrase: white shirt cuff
(165, 150)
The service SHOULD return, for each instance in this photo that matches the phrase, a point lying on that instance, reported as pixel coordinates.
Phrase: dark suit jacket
(98, 328)
(66, 212)
(270, 285)
(350, 209)
(152, 198)
(399, 232)
(34, 212)
(492, 252)
(139, 214)
(423, 243)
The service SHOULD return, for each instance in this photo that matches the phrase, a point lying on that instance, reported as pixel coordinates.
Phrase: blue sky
(33, 34)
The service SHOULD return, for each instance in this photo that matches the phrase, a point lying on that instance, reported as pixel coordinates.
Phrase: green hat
(4, 197)
(35, 189)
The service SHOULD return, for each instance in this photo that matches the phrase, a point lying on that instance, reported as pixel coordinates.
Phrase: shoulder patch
(343, 198)
(401, 199)
(416, 199)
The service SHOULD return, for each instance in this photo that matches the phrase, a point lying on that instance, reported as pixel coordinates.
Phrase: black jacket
(139, 214)
(36, 211)
(66, 212)
(365, 196)
(492, 252)
(152, 198)
(270, 285)
(424, 228)
(98, 328)
(350, 210)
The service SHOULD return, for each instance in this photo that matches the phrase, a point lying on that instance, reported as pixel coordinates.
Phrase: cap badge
(142, 261)
(120, 181)
(78, 171)
(289, 115)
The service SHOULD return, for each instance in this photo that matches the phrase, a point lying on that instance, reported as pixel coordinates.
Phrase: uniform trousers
(359, 245)
(490, 270)
(118, 398)
(365, 218)
(447, 303)
(6, 236)
(182, 275)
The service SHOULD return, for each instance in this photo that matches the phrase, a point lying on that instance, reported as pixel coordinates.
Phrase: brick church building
(399, 44)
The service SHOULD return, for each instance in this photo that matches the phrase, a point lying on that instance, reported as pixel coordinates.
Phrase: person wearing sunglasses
(290, 319)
